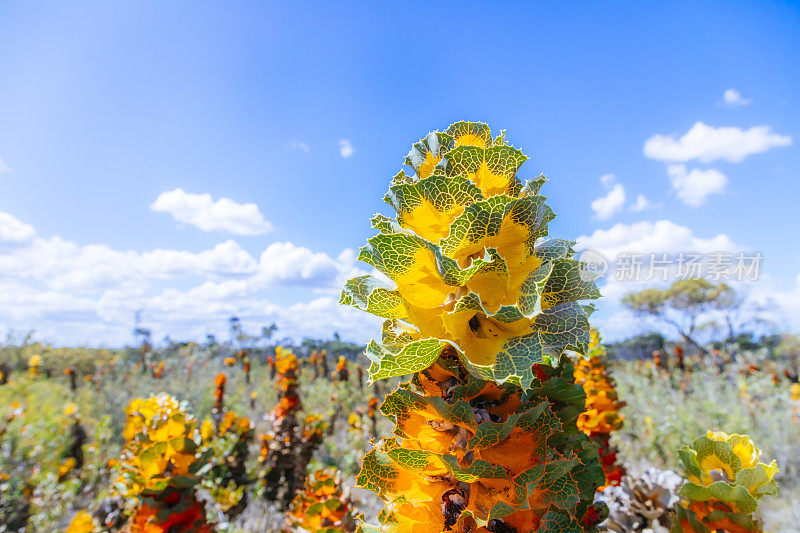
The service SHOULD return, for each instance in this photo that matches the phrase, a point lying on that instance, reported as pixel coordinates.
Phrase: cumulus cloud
(693, 187)
(667, 237)
(733, 97)
(707, 143)
(14, 231)
(203, 212)
(4, 167)
(642, 239)
(75, 293)
(295, 265)
(640, 204)
(605, 206)
(346, 149)
(662, 236)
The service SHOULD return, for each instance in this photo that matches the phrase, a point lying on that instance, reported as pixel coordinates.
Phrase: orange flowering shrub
(161, 465)
(322, 361)
(321, 506)
(342, 374)
(227, 479)
(602, 415)
(483, 312)
(219, 399)
(245, 365)
(657, 362)
(158, 370)
(287, 450)
(725, 480)
(372, 414)
(73, 378)
(73, 457)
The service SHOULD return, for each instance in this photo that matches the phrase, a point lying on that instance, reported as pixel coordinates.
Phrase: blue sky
(104, 107)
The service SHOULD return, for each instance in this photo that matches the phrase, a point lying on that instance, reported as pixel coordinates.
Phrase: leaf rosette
(725, 480)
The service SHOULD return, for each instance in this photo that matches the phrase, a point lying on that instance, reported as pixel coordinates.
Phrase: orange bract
(602, 415)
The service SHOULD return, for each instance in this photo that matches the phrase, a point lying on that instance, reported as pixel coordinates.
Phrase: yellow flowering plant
(725, 481)
(482, 311)
(161, 466)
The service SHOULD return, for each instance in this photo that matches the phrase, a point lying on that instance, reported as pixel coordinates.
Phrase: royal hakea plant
(341, 373)
(73, 458)
(321, 507)
(162, 464)
(725, 480)
(229, 445)
(218, 410)
(602, 415)
(312, 362)
(73, 379)
(372, 415)
(287, 450)
(482, 312)
(157, 370)
(245, 357)
(322, 361)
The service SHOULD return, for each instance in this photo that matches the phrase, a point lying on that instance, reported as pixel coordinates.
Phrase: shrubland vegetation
(515, 417)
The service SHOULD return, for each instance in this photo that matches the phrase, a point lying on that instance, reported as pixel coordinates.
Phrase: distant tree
(308, 344)
(236, 328)
(143, 337)
(638, 347)
(268, 331)
(685, 303)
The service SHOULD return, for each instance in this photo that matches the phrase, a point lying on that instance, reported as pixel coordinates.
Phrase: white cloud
(605, 206)
(295, 265)
(298, 145)
(14, 231)
(694, 187)
(4, 167)
(346, 149)
(201, 211)
(708, 143)
(88, 294)
(641, 203)
(641, 239)
(733, 98)
(662, 236)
